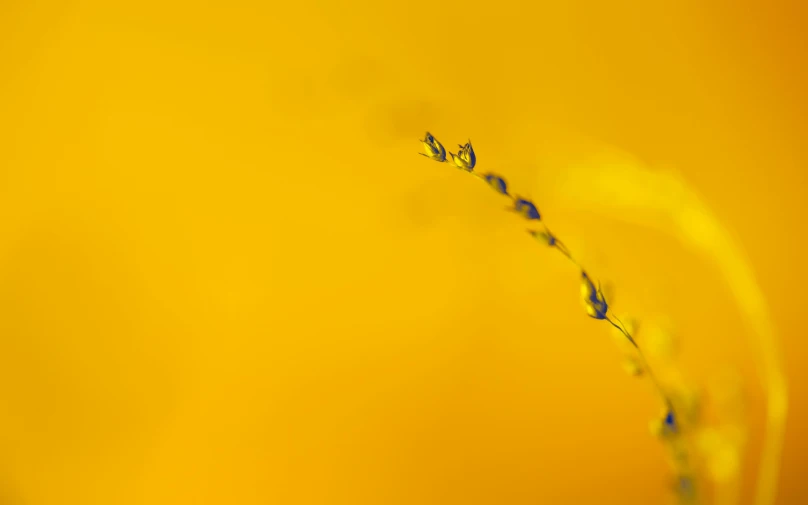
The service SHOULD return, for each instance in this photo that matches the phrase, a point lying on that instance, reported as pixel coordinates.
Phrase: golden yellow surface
(226, 276)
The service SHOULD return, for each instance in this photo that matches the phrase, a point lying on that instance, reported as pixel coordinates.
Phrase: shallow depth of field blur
(226, 276)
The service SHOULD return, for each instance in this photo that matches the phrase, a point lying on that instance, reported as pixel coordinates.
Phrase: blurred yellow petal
(721, 455)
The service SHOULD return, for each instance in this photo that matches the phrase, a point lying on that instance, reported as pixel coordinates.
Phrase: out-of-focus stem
(624, 185)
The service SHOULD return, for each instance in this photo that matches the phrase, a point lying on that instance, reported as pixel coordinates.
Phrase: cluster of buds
(671, 427)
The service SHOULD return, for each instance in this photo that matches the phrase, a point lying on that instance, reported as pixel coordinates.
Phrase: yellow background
(227, 277)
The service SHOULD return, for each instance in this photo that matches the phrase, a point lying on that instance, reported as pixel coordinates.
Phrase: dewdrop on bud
(497, 183)
(526, 209)
(593, 299)
(465, 159)
(434, 149)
